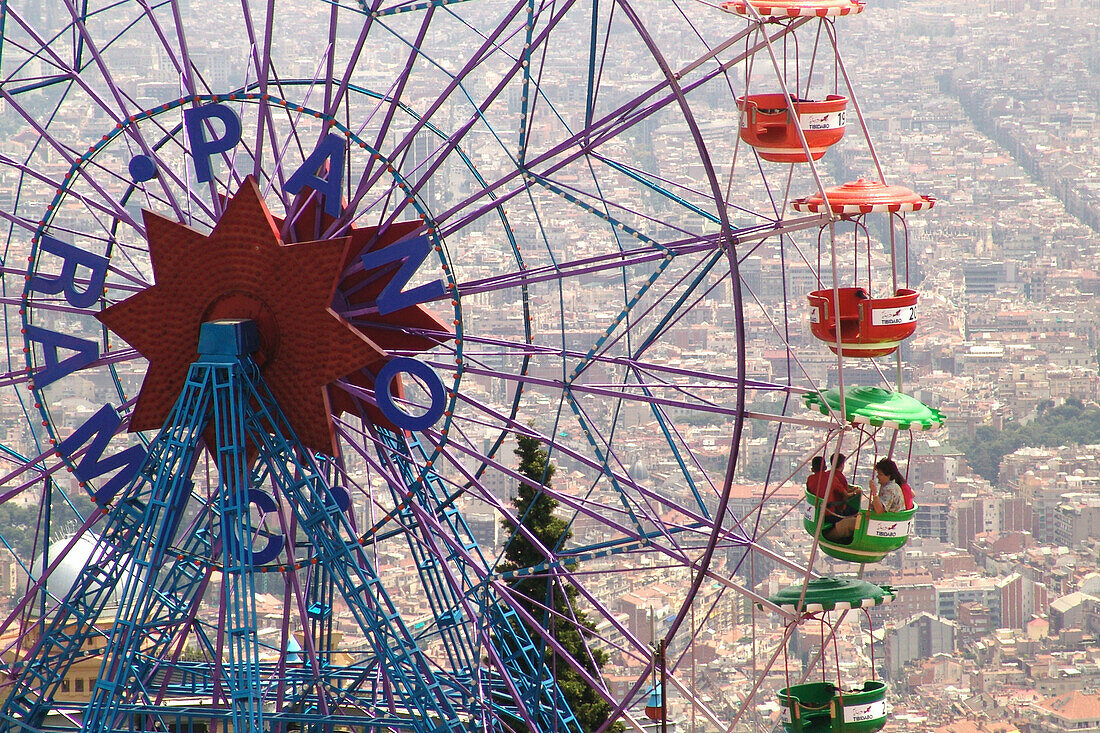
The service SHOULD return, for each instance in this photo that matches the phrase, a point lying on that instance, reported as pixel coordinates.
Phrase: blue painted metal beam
(163, 581)
(524, 662)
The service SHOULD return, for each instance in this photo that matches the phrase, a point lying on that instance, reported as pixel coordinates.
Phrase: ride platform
(864, 197)
(832, 594)
(776, 9)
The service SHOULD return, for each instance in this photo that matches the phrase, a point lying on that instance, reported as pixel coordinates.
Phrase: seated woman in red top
(907, 494)
(832, 486)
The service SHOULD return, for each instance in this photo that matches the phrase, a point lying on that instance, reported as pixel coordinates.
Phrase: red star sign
(400, 331)
(243, 270)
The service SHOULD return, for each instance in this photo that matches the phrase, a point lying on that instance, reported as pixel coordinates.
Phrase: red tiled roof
(1074, 705)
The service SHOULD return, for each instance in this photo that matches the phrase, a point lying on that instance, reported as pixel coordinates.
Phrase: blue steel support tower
(162, 581)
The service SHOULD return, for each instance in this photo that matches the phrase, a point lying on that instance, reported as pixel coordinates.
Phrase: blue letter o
(431, 380)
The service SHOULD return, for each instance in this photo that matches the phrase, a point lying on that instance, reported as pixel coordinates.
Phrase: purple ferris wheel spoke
(600, 131)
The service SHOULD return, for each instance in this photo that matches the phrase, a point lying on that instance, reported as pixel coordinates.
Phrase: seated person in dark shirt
(833, 487)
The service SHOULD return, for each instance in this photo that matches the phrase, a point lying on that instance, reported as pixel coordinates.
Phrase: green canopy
(832, 594)
(879, 407)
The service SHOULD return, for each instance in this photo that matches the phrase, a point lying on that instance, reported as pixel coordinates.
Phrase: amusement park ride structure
(241, 278)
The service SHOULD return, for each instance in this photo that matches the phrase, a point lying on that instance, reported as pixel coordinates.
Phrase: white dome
(83, 552)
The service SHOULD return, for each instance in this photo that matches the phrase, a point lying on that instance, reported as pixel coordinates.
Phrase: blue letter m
(100, 428)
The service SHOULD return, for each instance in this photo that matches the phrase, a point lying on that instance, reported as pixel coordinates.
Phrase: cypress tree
(536, 511)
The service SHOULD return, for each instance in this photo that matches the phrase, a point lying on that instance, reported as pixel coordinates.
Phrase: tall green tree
(545, 591)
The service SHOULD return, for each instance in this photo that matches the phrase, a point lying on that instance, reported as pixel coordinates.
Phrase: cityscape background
(991, 106)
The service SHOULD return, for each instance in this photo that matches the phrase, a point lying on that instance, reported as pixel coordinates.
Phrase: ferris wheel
(289, 285)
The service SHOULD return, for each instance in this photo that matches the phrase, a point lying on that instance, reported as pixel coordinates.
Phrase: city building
(921, 637)
(1074, 711)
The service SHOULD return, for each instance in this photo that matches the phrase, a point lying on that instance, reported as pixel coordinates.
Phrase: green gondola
(819, 706)
(875, 537)
(823, 706)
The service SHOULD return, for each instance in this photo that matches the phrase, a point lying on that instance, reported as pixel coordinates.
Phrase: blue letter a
(331, 151)
(55, 369)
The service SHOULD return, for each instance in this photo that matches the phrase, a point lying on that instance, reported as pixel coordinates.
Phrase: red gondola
(766, 125)
(868, 326)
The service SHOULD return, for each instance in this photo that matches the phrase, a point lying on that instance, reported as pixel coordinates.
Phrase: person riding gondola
(889, 497)
(831, 485)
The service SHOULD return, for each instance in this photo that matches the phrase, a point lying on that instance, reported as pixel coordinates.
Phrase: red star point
(358, 290)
